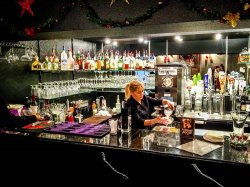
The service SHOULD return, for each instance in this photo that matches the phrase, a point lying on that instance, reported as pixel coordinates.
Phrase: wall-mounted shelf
(12, 44)
(59, 71)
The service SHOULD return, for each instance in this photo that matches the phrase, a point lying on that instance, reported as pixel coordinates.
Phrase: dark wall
(235, 46)
(15, 80)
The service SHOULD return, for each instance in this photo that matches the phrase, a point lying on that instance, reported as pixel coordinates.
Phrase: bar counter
(138, 157)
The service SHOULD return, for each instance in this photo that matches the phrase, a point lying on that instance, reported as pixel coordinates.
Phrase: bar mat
(80, 129)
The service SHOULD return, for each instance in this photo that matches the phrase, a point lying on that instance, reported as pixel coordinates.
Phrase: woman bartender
(142, 106)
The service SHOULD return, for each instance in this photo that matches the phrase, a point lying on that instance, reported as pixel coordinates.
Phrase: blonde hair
(132, 87)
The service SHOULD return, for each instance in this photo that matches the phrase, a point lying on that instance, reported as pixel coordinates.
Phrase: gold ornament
(246, 6)
(232, 19)
(113, 1)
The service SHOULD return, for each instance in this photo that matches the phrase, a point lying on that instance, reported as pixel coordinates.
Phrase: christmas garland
(201, 9)
(108, 23)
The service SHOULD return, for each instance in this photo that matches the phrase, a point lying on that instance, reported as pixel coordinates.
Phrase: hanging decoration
(113, 1)
(232, 19)
(109, 23)
(217, 14)
(26, 6)
(30, 31)
(246, 6)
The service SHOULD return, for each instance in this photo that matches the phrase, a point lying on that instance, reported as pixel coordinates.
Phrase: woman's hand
(39, 117)
(156, 120)
(169, 103)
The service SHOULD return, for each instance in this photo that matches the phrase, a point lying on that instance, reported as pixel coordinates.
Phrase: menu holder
(187, 128)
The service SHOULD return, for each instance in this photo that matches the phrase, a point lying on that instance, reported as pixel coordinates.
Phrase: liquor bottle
(103, 66)
(36, 64)
(112, 60)
(47, 64)
(64, 59)
(56, 64)
(138, 64)
(71, 60)
(116, 59)
(126, 61)
(34, 105)
(247, 96)
(106, 60)
(92, 63)
(243, 101)
(118, 105)
(52, 55)
(132, 61)
(79, 59)
(244, 55)
(98, 62)
(120, 63)
(94, 108)
(87, 61)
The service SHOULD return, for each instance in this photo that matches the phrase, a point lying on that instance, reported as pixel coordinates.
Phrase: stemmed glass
(239, 118)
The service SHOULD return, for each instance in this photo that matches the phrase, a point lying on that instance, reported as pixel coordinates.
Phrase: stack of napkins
(215, 137)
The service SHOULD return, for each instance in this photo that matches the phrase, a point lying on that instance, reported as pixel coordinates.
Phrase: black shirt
(143, 111)
(11, 121)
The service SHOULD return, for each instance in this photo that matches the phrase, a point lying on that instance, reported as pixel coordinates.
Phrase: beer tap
(209, 101)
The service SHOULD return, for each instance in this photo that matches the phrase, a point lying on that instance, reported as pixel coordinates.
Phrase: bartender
(143, 106)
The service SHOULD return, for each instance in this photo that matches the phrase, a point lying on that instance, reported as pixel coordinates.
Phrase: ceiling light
(178, 38)
(140, 39)
(114, 43)
(218, 36)
(107, 41)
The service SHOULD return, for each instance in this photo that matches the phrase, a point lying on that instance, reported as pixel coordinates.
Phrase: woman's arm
(150, 122)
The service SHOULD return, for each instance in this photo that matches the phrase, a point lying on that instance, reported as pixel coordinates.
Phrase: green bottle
(194, 80)
(198, 77)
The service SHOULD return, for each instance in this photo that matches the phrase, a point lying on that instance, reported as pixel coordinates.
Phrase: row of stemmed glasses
(55, 89)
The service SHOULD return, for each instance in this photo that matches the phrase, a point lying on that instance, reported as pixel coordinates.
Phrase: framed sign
(187, 128)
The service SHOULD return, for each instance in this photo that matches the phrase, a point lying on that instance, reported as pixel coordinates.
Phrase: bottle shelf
(52, 71)
(130, 70)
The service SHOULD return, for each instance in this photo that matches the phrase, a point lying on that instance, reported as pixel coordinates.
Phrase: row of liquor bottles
(108, 60)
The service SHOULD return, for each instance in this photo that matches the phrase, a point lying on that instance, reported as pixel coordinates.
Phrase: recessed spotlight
(114, 43)
(107, 41)
(140, 39)
(218, 36)
(145, 41)
(178, 38)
